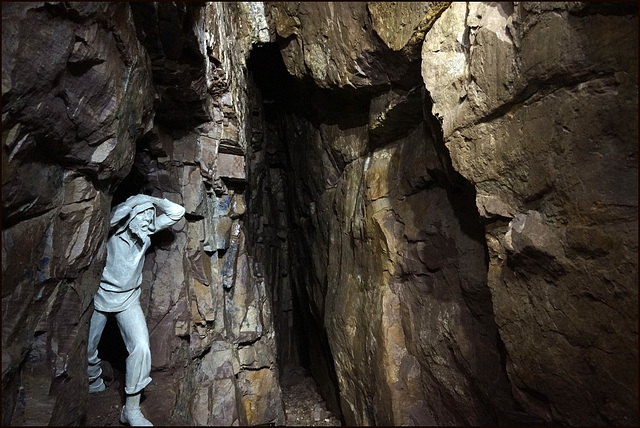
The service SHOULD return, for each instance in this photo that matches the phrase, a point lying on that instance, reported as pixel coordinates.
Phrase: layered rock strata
(431, 205)
(76, 94)
(101, 101)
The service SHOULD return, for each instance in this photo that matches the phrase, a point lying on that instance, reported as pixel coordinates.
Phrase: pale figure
(119, 294)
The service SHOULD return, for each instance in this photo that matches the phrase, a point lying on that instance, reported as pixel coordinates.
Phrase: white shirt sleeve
(171, 214)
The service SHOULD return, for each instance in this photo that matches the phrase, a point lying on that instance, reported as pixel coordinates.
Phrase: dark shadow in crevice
(283, 94)
(113, 353)
(316, 357)
(166, 31)
(111, 347)
(312, 340)
(129, 186)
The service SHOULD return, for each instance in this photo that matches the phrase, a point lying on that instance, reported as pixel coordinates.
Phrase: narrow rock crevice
(301, 338)
(407, 189)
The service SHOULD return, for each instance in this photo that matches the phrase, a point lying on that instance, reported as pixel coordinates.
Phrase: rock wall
(432, 206)
(101, 101)
(384, 254)
(76, 95)
(448, 198)
(539, 106)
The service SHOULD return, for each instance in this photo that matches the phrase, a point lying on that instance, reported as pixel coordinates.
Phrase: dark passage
(302, 341)
(294, 164)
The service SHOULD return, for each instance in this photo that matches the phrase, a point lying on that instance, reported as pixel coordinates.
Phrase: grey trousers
(133, 328)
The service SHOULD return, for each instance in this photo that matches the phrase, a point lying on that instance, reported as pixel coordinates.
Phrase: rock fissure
(536, 91)
(426, 212)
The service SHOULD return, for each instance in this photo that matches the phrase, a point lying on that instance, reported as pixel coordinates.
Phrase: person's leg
(131, 413)
(133, 328)
(98, 321)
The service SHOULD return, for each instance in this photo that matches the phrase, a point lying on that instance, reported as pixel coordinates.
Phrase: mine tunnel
(407, 213)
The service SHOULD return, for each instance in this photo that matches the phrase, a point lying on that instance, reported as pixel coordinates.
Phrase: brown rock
(526, 104)
(450, 249)
(78, 92)
(261, 398)
(332, 64)
(231, 167)
(399, 23)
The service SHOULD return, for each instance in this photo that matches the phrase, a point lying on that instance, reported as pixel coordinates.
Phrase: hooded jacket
(125, 254)
(127, 211)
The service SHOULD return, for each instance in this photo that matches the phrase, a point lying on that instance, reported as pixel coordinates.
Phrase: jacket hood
(123, 214)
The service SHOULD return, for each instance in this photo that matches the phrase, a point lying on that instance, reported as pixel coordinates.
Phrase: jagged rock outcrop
(101, 101)
(351, 44)
(539, 109)
(386, 267)
(431, 205)
(76, 94)
(408, 275)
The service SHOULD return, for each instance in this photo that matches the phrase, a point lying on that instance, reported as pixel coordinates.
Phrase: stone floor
(303, 404)
(104, 407)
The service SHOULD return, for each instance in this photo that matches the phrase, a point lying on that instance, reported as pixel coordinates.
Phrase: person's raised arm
(171, 213)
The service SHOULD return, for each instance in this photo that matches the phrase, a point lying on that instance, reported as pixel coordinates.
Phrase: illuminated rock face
(102, 101)
(541, 116)
(69, 76)
(466, 240)
(432, 206)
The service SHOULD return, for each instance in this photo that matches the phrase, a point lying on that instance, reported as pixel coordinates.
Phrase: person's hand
(122, 210)
(135, 200)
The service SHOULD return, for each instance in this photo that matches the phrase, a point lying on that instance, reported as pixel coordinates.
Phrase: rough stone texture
(402, 25)
(206, 305)
(539, 110)
(349, 44)
(433, 206)
(371, 243)
(101, 101)
(408, 293)
(385, 268)
(76, 94)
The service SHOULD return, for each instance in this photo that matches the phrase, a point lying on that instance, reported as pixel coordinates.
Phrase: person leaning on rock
(132, 222)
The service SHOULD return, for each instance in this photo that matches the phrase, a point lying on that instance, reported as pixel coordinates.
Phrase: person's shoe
(96, 386)
(134, 418)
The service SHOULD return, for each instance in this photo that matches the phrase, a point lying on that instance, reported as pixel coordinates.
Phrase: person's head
(140, 224)
(124, 213)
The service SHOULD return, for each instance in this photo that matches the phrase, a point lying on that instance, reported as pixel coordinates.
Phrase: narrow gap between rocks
(303, 402)
(307, 375)
(104, 407)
